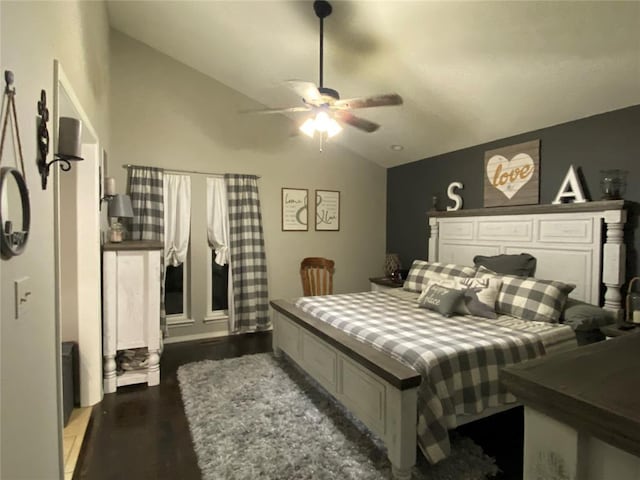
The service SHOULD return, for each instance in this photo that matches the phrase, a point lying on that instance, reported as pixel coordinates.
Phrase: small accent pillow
(523, 265)
(421, 272)
(532, 299)
(441, 298)
(480, 295)
(585, 317)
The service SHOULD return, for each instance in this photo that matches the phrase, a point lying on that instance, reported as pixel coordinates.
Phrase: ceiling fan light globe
(322, 121)
(308, 127)
(333, 128)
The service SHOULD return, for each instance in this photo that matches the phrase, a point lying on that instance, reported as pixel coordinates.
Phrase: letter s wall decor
(511, 175)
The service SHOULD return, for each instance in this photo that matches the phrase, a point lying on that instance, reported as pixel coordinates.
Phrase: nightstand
(611, 331)
(384, 283)
(131, 309)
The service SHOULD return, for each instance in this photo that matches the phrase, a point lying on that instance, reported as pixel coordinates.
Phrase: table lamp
(392, 265)
(119, 207)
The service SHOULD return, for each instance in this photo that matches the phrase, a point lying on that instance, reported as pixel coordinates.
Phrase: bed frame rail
(379, 390)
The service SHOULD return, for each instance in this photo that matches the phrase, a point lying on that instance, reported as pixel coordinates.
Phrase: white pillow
(480, 295)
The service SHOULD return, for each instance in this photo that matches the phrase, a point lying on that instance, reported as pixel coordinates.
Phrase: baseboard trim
(195, 336)
(180, 322)
(217, 320)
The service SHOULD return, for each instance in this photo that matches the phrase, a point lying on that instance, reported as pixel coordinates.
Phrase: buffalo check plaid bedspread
(458, 357)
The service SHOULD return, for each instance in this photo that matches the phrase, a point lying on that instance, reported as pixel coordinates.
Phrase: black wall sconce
(69, 141)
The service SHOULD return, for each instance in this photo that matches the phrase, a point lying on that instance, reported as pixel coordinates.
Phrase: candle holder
(633, 302)
(613, 184)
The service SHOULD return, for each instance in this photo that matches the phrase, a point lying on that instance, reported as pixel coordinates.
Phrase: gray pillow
(439, 298)
(522, 265)
(585, 317)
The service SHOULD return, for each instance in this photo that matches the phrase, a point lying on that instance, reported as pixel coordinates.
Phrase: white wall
(33, 34)
(168, 115)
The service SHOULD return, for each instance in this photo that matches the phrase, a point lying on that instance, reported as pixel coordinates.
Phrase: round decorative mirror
(15, 212)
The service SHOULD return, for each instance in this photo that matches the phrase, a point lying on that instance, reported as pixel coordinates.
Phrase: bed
(338, 339)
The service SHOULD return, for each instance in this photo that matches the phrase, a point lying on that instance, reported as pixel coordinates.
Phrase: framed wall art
(295, 212)
(512, 175)
(327, 210)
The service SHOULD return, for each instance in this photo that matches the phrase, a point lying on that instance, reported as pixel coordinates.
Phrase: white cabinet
(131, 309)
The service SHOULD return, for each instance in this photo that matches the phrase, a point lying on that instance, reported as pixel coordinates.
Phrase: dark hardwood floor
(141, 432)
(501, 436)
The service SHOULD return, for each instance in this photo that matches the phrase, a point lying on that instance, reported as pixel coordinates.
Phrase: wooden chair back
(317, 276)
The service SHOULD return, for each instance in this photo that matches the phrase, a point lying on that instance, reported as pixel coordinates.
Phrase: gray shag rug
(258, 417)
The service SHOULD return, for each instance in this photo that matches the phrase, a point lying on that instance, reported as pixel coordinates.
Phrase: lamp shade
(120, 206)
(391, 264)
(70, 139)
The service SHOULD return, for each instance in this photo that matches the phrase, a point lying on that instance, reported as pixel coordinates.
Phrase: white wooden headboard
(574, 243)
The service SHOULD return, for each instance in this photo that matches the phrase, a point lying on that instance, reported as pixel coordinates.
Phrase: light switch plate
(23, 296)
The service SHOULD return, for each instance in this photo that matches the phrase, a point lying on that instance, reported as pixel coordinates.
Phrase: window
(177, 230)
(195, 292)
(175, 290)
(219, 285)
(217, 239)
(217, 288)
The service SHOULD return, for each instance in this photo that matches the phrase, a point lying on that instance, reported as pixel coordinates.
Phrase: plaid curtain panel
(145, 188)
(248, 259)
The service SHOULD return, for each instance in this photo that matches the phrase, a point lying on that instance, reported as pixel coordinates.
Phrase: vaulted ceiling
(469, 72)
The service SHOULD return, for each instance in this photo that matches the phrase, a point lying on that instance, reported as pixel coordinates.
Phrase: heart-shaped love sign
(509, 176)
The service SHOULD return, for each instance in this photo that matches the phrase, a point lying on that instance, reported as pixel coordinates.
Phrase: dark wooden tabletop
(387, 281)
(595, 389)
(133, 245)
(616, 330)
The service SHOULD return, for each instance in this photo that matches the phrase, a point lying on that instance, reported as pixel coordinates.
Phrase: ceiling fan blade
(368, 102)
(307, 90)
(278, 110)
(357, 122)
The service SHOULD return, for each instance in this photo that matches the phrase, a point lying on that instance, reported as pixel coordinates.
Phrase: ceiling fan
(324, 104)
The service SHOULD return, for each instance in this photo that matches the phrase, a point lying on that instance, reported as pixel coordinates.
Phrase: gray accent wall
(608, 140)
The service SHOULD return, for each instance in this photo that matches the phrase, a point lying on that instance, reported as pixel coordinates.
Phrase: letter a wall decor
(512, 175)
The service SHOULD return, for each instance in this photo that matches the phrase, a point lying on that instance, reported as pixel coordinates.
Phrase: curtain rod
(177, 170)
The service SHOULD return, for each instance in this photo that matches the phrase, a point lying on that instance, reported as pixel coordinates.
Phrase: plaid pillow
(421, 272)
(532, 299)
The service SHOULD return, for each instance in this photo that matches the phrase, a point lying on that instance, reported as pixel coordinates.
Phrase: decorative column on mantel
(433, 239)
(614, 255)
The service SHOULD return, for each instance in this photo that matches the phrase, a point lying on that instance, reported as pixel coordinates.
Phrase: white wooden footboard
(380, 391)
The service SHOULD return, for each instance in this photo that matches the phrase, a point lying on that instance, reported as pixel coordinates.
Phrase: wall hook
(8, 80)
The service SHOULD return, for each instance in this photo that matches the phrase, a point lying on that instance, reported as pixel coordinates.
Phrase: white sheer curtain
(218, 219)
(177, 218)
(218, 231)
